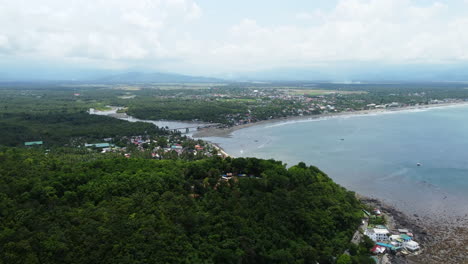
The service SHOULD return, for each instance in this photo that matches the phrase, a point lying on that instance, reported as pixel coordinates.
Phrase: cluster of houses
(173, 146)
(390, 240)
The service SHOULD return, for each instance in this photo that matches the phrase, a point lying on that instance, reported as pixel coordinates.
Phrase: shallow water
(376, 155)
(179, 125)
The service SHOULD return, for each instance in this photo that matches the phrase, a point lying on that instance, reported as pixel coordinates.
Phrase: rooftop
(31, 143)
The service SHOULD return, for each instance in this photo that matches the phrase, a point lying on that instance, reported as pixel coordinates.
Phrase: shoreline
(223, 153)
(441, 241)
(226, 132)
(444, 239)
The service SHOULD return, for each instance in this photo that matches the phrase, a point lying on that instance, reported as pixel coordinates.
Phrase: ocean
(416, 160)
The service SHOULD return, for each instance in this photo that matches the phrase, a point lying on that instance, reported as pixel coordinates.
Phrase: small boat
(418, 164)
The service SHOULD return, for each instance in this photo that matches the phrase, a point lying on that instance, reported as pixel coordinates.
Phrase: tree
(344, 259)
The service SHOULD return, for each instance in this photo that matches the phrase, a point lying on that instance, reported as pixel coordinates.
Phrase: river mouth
(186, 127)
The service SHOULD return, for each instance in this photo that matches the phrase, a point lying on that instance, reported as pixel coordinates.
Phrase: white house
(377, 234)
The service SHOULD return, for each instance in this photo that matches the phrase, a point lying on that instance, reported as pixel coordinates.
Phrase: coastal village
(282, 103)
(162, 147)
(390, 239)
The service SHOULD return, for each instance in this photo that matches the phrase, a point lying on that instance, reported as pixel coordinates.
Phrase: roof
(380, 231)
(412, 243)
(384, 245)
(378, 249)
(31, 143)
(405, 237)
(99, 145)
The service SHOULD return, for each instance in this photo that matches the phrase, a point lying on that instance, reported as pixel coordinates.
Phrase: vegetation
(55, 209)
(64, 204)
(231, 104)
(59, 118)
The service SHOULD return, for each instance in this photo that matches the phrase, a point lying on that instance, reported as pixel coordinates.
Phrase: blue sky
(222, 37)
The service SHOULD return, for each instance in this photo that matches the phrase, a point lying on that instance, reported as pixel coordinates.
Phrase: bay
(376, 155)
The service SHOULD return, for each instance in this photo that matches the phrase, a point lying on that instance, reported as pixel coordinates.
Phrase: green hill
(56, 209)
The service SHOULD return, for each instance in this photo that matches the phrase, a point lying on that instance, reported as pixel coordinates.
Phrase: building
(411, 245)
(396, 240)
(99, 145)
(33, 143)
(377, 234)
(378, 249)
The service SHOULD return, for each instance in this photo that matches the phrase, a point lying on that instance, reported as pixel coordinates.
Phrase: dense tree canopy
(116, 210)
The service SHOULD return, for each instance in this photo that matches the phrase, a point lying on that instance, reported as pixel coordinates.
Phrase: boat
(418, 164)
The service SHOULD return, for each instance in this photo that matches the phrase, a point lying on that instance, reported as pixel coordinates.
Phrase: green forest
(110, 209)
(59, 118)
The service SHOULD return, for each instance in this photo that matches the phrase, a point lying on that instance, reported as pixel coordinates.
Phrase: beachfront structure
(396, 240)
(377, 234)
(411, 245)
(33, 143)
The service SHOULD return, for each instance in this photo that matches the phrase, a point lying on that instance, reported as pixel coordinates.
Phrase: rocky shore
(443, 240)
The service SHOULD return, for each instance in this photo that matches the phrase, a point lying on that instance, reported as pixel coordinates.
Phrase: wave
(353, 115)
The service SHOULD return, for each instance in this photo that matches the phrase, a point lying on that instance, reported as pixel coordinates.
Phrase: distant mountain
(361, 71)
(155, 77)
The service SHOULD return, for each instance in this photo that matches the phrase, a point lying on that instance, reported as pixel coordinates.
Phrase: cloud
(166, 33)
(394, 31)
(101, 29)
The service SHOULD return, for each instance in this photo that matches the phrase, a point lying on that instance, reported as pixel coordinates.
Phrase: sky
(210, 37)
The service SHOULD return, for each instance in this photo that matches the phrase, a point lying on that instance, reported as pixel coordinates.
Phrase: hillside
(57, 209)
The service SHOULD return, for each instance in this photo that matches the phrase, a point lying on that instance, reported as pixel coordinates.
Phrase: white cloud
(101, 29)
(163, 32)
(355, 30)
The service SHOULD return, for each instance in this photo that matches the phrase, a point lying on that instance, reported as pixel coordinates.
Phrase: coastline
(226, 132)
(223, 153)
(444, 238)
(441, 241)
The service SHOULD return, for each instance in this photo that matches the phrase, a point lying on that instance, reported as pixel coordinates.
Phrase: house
(411, 245)
(176, 146)
(405, 238)
(396, 240)
(33, 143)
(198, 147)
(377, 211)
(378, 249)
(99, 145)
(377, 234)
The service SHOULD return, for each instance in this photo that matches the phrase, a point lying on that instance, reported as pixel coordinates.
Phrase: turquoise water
(376, 155)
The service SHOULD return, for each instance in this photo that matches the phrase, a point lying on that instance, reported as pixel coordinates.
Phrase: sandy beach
(225, 132)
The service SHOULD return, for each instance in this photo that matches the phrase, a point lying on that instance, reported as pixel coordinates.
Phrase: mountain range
(344, 72)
